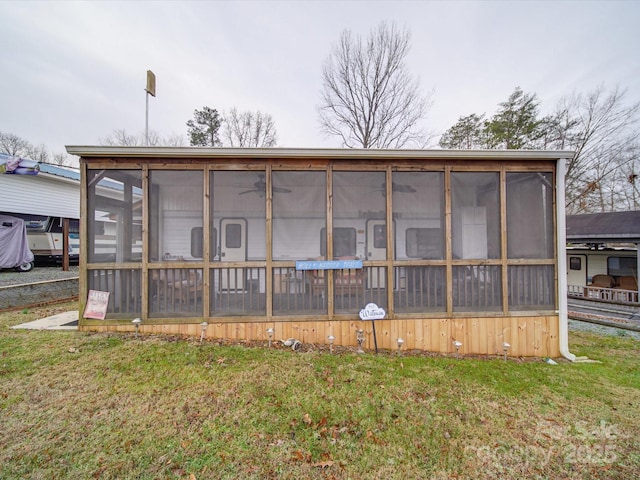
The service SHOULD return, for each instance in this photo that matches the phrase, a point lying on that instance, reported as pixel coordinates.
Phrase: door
(233, 248)
(576, 270)
(376, 250)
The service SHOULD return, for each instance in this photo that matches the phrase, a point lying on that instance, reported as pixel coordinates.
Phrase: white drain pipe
(561, 239)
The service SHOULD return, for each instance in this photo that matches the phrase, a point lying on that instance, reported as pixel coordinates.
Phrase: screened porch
(213, 240)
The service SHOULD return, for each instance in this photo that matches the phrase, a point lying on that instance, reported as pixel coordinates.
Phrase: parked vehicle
(583, 264)
(605, 273)
(14, 248)
(45, 237)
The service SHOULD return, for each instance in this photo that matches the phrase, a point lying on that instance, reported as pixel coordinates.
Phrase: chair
(602, 281)
(349, 281)
(627, 282)
(628, 286)
(179, 284)
(346, 282)
(598, 283)
(317, 283)
(188, 288)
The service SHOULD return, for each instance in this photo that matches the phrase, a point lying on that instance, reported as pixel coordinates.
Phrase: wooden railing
(477, 287)
(176, 290)
(420, 289)
(237, 291)
(531, 287)
(614, 295)
(125, 286)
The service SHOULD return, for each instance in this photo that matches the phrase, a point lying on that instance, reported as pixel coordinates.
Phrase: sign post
(151, 90)
(373, 312)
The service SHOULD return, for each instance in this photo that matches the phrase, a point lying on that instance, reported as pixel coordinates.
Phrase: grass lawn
(78, 405)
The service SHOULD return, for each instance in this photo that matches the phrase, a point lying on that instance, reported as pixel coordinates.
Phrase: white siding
(40, 194)
(597, 264)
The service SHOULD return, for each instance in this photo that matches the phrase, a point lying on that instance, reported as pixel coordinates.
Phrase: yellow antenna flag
(151, 83)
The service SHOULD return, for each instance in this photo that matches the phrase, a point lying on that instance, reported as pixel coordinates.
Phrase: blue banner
(327, 264)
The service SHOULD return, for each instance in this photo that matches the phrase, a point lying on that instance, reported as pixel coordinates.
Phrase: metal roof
(59, 171)
(604, 227)
(317, 153)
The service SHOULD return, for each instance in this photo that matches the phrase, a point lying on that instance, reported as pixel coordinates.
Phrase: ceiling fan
(397, 188)
(260, 187)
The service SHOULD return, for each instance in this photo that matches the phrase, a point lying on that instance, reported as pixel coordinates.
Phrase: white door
(233, 248)
(474, 232)
(576, 270)
(376, 250)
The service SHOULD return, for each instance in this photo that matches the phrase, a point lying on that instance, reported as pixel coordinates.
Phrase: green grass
(78, 405)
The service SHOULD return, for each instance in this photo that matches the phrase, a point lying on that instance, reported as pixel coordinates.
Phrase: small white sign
(372, 312)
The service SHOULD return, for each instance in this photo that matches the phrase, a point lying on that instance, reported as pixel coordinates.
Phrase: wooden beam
(65, 244)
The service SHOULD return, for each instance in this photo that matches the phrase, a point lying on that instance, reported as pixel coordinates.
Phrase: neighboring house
(44, 200)
(602, 254)
(455, 246)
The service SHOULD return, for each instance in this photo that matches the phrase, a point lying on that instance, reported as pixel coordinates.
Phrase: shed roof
(604, 227)
(309, 153)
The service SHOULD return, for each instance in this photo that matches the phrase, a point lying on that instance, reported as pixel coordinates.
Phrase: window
(344, 242)
(424, 243)
(575, 263)
(233, 235)
(35, 223)
(379, 236)
(196, 242)
(622, 266)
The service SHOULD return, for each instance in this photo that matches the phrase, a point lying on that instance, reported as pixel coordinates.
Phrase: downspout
(561, 239)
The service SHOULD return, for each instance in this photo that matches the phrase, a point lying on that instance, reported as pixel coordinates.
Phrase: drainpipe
(561, 239)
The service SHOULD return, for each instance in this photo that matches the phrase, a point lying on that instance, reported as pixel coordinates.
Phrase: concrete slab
(55, 322)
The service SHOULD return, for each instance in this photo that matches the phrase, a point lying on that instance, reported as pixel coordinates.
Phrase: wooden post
(65, 244)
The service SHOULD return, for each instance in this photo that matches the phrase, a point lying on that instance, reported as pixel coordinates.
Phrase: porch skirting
(528, 336)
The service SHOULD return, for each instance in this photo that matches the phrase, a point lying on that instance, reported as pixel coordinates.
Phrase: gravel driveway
(38, 274)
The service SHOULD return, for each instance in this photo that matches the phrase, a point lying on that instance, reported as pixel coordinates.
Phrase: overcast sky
(73, 72)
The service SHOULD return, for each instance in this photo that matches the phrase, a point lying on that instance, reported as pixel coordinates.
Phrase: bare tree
(60, 159)
(38, 153)
(631, 180)
(368, 98)
(122, 138)
(13, 145)
(248, 129)
(173, 140)
(603, 128)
